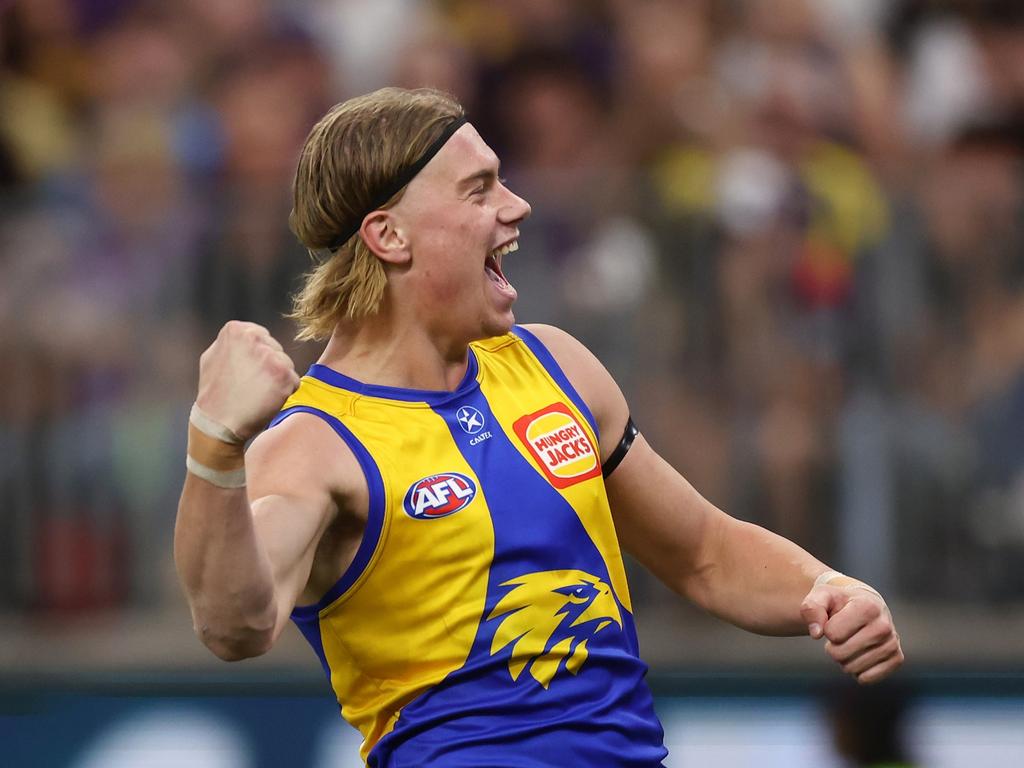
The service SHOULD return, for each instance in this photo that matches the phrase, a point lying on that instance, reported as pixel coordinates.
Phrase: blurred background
(792, 229)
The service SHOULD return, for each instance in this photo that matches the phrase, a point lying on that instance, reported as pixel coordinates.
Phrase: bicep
(662, 520)
(290, 529)
(292, 502)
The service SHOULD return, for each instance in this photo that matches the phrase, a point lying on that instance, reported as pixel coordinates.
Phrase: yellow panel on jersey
(364, 629)
(485, 618)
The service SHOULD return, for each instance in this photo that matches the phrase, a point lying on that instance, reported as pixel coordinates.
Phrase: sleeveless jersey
(485, 619)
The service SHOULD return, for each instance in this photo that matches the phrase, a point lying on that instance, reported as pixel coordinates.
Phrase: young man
(440, 502)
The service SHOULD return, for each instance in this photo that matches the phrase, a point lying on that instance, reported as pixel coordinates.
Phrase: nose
(514, 208)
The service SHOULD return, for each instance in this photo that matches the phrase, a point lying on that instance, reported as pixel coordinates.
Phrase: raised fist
(244, 378)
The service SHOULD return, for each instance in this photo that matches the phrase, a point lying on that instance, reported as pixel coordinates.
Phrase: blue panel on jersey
(552, 367)
(591, 714)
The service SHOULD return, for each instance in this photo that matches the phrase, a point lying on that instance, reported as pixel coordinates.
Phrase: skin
(247, 556)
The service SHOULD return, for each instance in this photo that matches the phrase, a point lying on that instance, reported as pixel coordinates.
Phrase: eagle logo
(549, 616)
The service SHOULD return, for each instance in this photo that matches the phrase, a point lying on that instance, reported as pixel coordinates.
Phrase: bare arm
(224, 571)
(244, 564)
(740, 572)
(737, 571)
(244, 554)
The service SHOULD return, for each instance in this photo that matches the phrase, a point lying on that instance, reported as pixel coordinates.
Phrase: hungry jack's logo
(560, 445)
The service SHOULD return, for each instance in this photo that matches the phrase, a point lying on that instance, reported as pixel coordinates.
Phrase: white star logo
(470, 419)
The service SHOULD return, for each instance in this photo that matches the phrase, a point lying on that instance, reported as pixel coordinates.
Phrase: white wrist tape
(828, 576)
(234, 478)
(212, 428)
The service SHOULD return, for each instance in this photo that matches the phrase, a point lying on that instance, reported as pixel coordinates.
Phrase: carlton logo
(439, 496)
(560, 445)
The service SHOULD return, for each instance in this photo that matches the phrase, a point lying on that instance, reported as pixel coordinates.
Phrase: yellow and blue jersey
(485, 619)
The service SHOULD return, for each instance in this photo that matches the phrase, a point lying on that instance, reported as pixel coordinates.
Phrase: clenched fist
(244, 378)
(858, 629)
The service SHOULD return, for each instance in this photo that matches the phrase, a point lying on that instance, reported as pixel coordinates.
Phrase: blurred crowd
(792, 229)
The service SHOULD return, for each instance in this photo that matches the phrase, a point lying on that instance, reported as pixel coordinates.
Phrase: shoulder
(587, 375)
(571, 354)
(302, 456)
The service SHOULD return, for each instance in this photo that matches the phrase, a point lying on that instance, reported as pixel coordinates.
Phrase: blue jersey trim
(431, 396)
(375, 517)
(309, 626)
(551, 366)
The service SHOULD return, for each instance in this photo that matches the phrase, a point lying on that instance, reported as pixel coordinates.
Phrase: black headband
(403, 178)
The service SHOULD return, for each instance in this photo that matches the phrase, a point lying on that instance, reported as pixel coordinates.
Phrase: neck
(385, 350)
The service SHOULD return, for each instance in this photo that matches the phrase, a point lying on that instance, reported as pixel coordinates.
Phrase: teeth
(505, 250)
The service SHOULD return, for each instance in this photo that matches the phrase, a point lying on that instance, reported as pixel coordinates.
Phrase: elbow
(237, 643)
(697, 586)
(233, 650)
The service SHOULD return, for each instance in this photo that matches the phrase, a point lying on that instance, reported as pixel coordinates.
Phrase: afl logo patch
(438, 495)
(559, 444)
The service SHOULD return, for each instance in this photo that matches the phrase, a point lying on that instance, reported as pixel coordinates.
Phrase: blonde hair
(349, 157)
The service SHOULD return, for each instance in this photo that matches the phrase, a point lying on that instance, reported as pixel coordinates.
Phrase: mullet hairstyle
(349, 158)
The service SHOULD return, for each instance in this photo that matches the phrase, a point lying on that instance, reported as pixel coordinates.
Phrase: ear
(382, 234)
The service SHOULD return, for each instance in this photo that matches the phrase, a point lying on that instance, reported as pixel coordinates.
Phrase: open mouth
(492, 264)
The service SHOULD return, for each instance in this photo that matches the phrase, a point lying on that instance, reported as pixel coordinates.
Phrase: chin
(498, 325)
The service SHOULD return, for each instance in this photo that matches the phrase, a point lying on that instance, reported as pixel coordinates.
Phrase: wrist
(215, 454)
(837, 579)
(210, 427)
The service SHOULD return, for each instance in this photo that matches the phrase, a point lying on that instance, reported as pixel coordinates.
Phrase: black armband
(622, 448)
